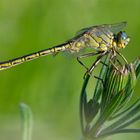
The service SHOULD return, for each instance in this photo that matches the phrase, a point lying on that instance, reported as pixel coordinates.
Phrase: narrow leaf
(26, 115)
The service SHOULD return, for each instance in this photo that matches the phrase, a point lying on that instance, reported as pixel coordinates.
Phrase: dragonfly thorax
(121, 40)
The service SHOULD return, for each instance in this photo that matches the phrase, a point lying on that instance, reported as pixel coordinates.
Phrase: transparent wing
(111, 27)
(82, 31)
(114, 27)
(107, 29)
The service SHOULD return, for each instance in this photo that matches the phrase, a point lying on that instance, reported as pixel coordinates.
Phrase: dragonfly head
(121, 39)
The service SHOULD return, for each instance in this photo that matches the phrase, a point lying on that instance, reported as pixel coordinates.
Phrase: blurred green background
(51, 85)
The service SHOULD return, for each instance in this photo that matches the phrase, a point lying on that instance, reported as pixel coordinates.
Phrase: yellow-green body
(98, 38)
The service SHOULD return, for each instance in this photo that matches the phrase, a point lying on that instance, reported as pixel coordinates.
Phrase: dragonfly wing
(114, 28)
(82, 31)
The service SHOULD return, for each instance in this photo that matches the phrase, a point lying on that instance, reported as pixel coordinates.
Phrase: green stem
(27, 120)
(82, 102)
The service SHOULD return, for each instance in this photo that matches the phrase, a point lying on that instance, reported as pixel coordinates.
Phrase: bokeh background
(51, 85)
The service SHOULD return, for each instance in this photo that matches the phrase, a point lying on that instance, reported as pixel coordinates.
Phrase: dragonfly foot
(87, 73)
(100, 79)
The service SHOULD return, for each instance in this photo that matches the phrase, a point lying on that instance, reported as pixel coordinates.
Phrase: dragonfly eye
(122, 39)
(123, 35)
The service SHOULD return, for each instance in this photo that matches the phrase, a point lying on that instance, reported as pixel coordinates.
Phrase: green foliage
(106, 113)
(51, 85)
(27, 121)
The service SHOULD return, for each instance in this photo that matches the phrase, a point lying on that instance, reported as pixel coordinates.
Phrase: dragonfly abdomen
(29, 57)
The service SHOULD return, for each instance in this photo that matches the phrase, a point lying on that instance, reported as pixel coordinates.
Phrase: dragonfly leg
(104, 63)
(114, 65)
(98, 78)
(78, 59)
(122, 57)
(114, 58)
(119, 62)
(89, 71)
(85, 56)
(126, 62)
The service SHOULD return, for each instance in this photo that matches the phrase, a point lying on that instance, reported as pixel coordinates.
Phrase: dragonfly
(102, 39)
